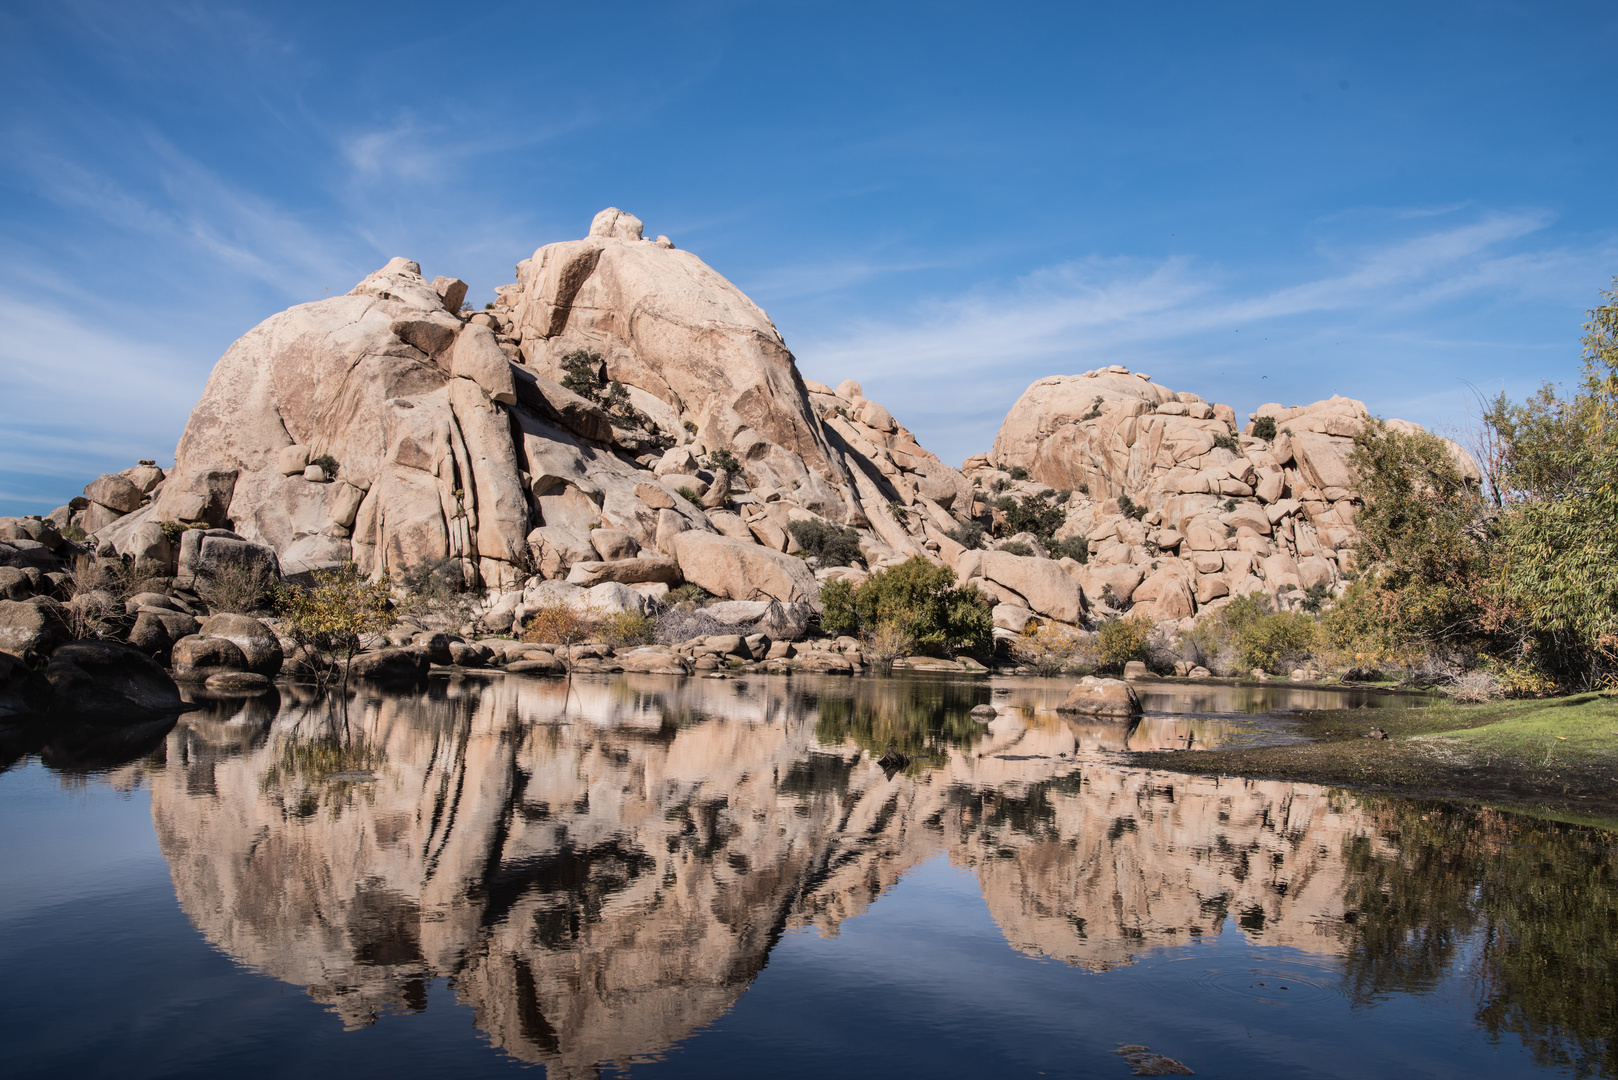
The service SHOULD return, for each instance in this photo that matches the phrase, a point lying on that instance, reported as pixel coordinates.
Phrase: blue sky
(1257, 202)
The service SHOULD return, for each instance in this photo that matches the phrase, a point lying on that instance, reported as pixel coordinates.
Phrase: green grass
(1581, 727)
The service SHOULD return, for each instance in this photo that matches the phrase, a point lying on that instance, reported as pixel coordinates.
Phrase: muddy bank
(1557, 758)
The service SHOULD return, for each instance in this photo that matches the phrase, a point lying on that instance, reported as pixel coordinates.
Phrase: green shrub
(1032, 514)
(1019, 473)
(833, 545)
(581, 373)
(327, 463)
(1122, 640)
(724, 459)
(1076, 548)
(1130, 508)
(686, 492)
(838, 617)
(1095, 409)
(917, 600)
(1277, 641)
(1016, 547)
(1083, 489)
(623, 629)
(1264, 428)
(689, 426)
(968, 534)
(688, 593)
(1225, 442)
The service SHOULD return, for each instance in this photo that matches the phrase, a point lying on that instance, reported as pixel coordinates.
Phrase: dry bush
(677, 624)
(885, 643)
(1476, 687)
(558, 624)
(238, 586)
(1051, 648)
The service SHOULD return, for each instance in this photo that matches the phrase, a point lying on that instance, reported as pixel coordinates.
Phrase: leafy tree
(335, 614)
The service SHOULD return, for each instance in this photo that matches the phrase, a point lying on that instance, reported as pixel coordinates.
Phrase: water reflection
(604, 869)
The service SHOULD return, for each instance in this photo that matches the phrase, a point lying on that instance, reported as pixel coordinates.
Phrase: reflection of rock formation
(605, 869)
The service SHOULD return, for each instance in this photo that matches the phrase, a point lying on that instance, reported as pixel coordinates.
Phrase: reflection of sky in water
(708, 873)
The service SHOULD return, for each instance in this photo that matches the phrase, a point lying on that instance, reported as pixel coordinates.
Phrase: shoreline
(1554, 757)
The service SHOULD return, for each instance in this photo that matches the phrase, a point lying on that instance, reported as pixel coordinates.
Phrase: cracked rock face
(389, 428)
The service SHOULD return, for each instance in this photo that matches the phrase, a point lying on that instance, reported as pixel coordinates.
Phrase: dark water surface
(656, 878)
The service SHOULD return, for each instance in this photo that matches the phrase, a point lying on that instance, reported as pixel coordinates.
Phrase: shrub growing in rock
(335, 615)
(919, 600)
(968, 534)
(831, 544)
(1076, 548)
(1016, 547)
(1032, 514)
(724, 459)
(1264, 428)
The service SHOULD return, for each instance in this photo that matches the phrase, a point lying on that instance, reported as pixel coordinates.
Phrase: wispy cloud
(955, 365)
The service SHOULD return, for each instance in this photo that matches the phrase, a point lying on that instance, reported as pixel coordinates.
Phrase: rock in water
(111, 682)
(1111, 699)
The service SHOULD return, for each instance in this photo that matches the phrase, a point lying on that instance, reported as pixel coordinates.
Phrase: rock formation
(393, 428)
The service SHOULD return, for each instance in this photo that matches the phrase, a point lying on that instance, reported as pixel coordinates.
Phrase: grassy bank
(1557, 757)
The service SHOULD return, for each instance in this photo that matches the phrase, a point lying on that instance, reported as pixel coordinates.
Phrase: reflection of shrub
(1264, 428)
(1122, 640)
(918, 599)
(833, 545)
(1076, 548)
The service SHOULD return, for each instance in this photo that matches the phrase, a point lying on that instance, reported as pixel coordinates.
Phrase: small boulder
(1109, 699)
(391, 665)
(31, 627)
(196, 657)
(292, 460)
(613, 544)
(537, 664)
(114, 492)
(257, 642)
(1136, 669)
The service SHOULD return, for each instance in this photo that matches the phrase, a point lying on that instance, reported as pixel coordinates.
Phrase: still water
(663, 878)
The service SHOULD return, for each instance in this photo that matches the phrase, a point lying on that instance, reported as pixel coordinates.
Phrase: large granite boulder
(257, 642)
(738, 570)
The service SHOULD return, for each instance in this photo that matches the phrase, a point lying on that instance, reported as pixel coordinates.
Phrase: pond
(655, 877)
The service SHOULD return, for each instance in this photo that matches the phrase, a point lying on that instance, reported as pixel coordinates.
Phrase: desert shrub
(884, 643)
(689, 425)
(920, 600)
(1264, 428)
(335, 614)
(832, 544)
(1051, 648)
(1016, 547)
(686, 492)
(1083, 489)
(327, 464)
(1019, 473)
(1277, 641)
(1076, 548)
(558, 624)
(623, 629)
(968, 534)
(1094, 410)
(436, 587)
(724, 459)
(838, 616)
(1122, 640)
(688, 593)
(585, 375)
(1130, 508)
(1226, 442)
(1032, 514)
(242, 586)
(581, 373)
